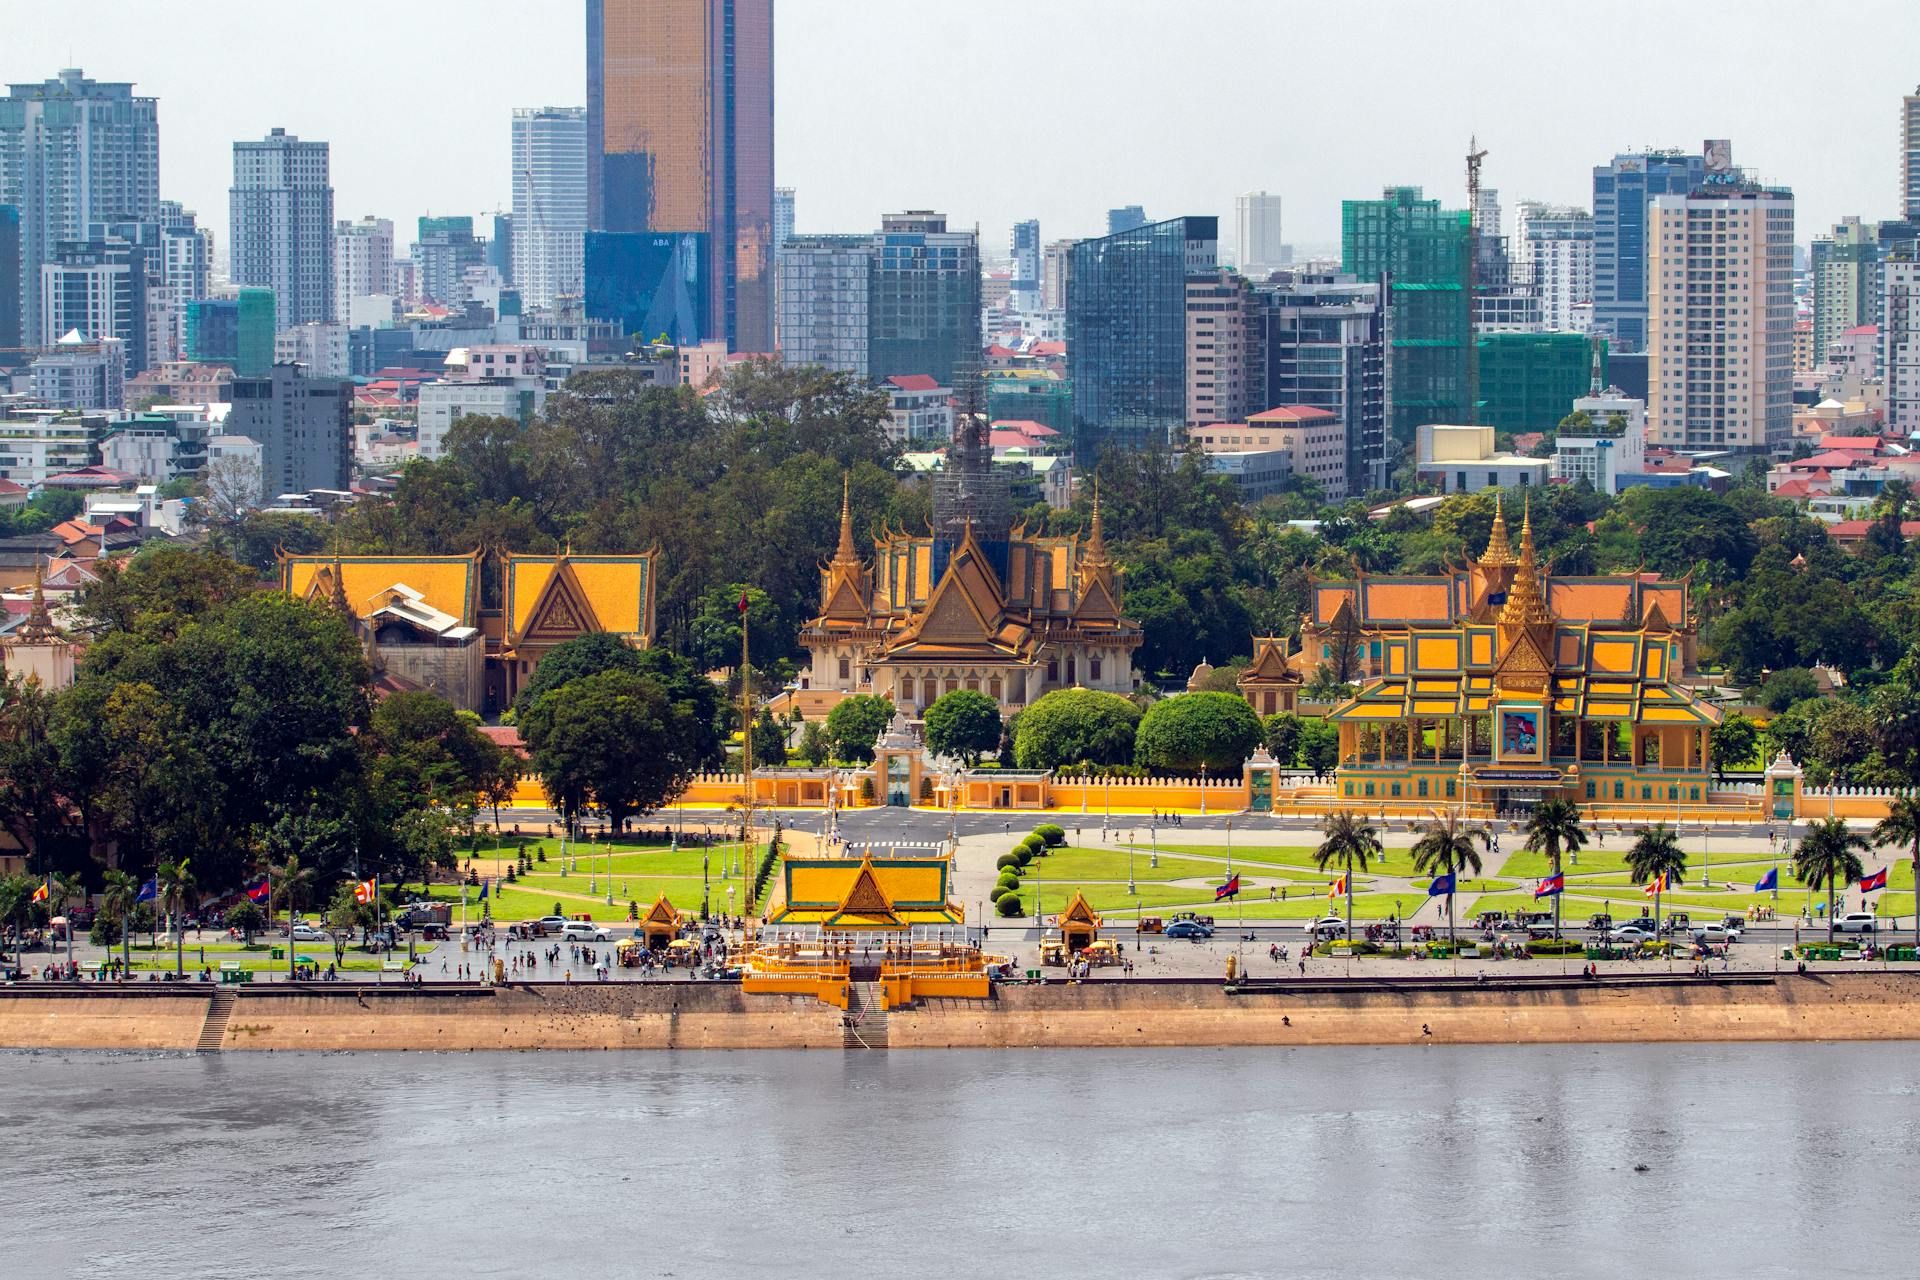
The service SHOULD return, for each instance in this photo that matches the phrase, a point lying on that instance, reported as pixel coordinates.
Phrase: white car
(1716, 933)
(1855, 922)
(307, 933)
(584, 931)
(1329, 927)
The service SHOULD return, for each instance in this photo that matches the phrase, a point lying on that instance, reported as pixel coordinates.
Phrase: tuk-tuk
(1599, 920)
(1150, 924)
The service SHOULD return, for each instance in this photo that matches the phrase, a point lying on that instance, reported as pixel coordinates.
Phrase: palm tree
(1553, 828)
(66, 887)
(1656, 858)
(1829, 855)
(1445, 848)
(122, 888)
(1350, 842)
(288, 878)
(175, 883)
(1901, 826)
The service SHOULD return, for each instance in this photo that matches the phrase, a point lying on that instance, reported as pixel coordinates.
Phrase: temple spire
(1096, 538)
(338, 599)
(1525, 604)
(1499, 551)
(39, 623)
(845, 554)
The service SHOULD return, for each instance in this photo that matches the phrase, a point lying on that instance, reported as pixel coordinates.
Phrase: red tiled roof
(1874, 443)
(1855, 530)
(1292, 413)
(915, 381)
(1025, 426)
(1049, 348)
(9, 488)
(1799, 487)
(1858, 330)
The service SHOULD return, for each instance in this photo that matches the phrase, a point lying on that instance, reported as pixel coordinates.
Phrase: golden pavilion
(427, 623)
(976, 604)
(1499, 685)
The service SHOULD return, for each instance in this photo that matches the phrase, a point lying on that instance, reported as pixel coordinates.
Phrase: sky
(998, 110)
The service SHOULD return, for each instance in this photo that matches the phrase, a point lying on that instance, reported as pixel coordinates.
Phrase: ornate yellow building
(1500, 685)
(426, 623)
(975, 605)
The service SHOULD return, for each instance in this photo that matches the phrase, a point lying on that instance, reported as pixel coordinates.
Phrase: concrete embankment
(1057, 1015)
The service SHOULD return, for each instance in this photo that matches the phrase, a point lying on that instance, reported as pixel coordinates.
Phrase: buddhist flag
(1550, 887)
(1657, 885)
(1338, 887)
(1769, 882)
(365, 890)
(1231, 889)
(1878, 880)
(40, 894)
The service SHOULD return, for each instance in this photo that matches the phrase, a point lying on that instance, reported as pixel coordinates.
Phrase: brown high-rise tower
(680, 140)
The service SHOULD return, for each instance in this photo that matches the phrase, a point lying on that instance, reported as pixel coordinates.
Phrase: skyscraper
(782, 217)
(98, 289)
(1128, 217)
(824, 296)
(10, 354)
(1553, 250)
(1127, 332)
(282, 236)
(1622, 191)
(925, 310)
(441, 256)
(1910, 155)
(1720, 319)
(1025, 286)
(549, 202)
(1258, 241)
(680, 140)
(362, 264)
(1420, 252)
(1319, 341)
(1846, 282)
(73, 151)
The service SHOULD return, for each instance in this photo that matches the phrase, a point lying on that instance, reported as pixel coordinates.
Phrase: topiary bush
(1024, 854)
(1008, 880)
(1007, 860)
(1008, 905)
(1050, 835)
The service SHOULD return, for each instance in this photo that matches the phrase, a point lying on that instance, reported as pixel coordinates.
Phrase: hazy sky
(995, 110)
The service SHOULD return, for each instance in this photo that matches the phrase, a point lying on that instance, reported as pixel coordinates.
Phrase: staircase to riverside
(865, 1023)
(213, 1032)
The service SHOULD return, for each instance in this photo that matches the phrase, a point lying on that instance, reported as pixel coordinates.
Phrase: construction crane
(1475, 155)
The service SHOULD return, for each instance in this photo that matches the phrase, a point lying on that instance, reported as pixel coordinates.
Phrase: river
(1759, 1160)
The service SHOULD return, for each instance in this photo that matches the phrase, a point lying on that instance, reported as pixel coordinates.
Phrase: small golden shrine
(1079, 925)
(660, 925)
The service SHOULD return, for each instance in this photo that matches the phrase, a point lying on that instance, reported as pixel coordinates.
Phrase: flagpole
(746, 751)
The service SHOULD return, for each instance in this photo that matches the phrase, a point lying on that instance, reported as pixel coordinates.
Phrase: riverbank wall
(333, 1017)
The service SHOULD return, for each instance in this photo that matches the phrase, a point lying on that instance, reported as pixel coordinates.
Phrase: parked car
(1855, 922)
(1327, 928)
(585, 931)
(1188, 929)
(554, 924)
(1715, 934)
(1632, 933)
(307, 933)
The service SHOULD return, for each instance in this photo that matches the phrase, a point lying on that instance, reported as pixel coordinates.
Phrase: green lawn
(512, 904)
(1394, 862)
(1109, 897)
(656, 861)
(1072, 863)
(1522, 862)
(1473, 886)
(259, 957)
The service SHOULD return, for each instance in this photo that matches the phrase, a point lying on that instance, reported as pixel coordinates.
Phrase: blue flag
(483, 889)
(1441, 885)
(1769, 881)
(148, 891)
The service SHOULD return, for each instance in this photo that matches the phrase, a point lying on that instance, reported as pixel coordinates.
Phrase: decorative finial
(1499, 550)
(1526, 605)
(846, 552)
(39, 623)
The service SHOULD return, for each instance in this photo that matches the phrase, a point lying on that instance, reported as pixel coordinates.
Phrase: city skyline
(1840, 159)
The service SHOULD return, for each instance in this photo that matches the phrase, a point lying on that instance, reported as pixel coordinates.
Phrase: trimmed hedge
(1008, 905)
(1007, 881)
(1550, 947)
(1006, 860)
(1050, 835)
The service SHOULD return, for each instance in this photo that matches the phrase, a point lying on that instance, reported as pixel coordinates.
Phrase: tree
(1319, 746)
(1350, 842)
(176, 882)
(1446, 847)
(814, 746)
(1075, 726)
(290, 880)
(1553, 828)
(1656, 859)
(1901, 827)
(66, 888)
(964, 723)
(769, 742)
(30, 774)
(1734, 742)
(1194, 731)
(1285, 732)
(1829, 857)
(598, 652)
(248, 919)
(117, 899)
(616, 740)
(856, 723)
(345, 914)
(714, 634)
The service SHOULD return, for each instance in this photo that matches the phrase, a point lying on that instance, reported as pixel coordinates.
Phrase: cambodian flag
(1878, 880)
(1441, 886)
(1769, 882)
(1230, 889)
(1550, 887)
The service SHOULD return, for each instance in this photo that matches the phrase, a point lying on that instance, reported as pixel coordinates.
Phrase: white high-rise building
(1910, 154)
(73, 152)
(362, 263)
(1260, 244)
(1553, 249)
(782, 217)
(282, 205)
(1900, 341)
(1720, 316)
(549, 202)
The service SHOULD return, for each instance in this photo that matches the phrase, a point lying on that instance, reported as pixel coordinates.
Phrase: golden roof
(450, 584)
(614, 592)
(1498, 552)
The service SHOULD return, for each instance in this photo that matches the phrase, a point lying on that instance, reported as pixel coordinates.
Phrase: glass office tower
(680, 140)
